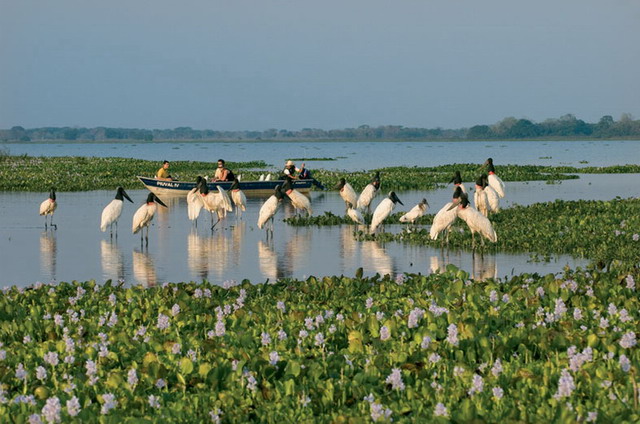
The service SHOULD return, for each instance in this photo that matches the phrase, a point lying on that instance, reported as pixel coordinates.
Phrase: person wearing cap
(163, 173)
(222, 173)
(290, 170)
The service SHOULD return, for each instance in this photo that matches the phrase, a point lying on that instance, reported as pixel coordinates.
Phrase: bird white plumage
(493, 198)
(443, 220)
(416, 212)
(496, 183)
(368, 193)
(143, 216)
(268, 210)
(298, 200)
(383, 210)
(481, 201)
(111, 213)
(476, 222)
(239, 199)
(355, 215)
(347, 193)
(48, 207)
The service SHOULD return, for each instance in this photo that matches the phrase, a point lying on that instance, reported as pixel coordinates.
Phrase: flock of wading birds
(489, 190)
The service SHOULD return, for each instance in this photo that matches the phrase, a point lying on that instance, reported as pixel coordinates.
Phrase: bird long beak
(158, 201)
(455, 205)
(124, 193)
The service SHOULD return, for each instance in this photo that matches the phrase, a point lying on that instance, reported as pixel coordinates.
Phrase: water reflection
(348, 245)
(267, 260)
(112, 261)
(144, 269)
(237, 236)
(484, 266)
(48, 254)
(198, 251)
(297, 250)
(374, 257)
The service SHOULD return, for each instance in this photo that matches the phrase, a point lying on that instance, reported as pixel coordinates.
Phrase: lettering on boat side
(166, 184)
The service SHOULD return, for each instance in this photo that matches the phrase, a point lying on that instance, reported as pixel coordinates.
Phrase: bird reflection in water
(438, 263)
(271, 265)
(237, 236)
(297, 250)
(375, 258)
(484, 266)
(348, 244)
(208, 254)
(48, 254)
(144, 269)
(112, 260)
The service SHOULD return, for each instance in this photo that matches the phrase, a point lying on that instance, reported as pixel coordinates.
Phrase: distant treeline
(567, 126)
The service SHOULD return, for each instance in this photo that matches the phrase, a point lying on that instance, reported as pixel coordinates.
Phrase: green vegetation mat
(26, 173)
(602, 231)
(332, 350)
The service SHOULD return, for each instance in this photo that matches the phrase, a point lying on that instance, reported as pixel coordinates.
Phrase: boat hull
(250, 188)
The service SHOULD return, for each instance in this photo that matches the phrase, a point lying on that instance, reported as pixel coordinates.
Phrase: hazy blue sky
(262, 64)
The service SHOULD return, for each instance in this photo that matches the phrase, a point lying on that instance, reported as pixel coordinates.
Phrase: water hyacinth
(379, 412)
(628, 340)
(566, 385)
(73, 406)
(625, 363)
(385, 334)
(440, 410)
(415, 316)
(132, 378)
(21, 373)
(109, 403)
(452, 334)
(426, 341)
(175, 309)
(265, 339)
(154, 401)
(395, 379)
(51, 358)
(477, 385)
(163, 322)
(51, 410)
(274, 358)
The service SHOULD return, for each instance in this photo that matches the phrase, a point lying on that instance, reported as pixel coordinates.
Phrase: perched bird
(48, 207)
(261, 178)
(445, 217)
(268, 177)
(143, 216)
(347, 193)
(492, 195)
(457, 182)
(494, 181)
(194, 202)
(368, 193)
(354, 214)
(269, 209)
(298, 200)
(476, 222)
(111, 213)
(238, 197)
(416, 212)
(480, 197)
(383, 210)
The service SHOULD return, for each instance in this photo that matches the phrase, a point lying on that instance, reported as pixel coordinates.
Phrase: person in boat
(290, 171)
(305, 174)
(223, 173)
(163, 173)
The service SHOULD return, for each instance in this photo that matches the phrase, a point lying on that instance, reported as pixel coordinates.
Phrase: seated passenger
(222, 173)
(163, 173)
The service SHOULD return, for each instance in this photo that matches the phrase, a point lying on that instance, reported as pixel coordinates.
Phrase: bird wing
(239, 199)
(443, 220)
(478, 223)
(110, 214)
(496, 183)
(481, 201)
(226, 201)
(367, 195)
(194, 204)
(47, 207)
(355, 215)
(349, 194)
(300, 201)
(493, 199)
(268, 209)
(143, 215)
(416, 212)
(382, 211)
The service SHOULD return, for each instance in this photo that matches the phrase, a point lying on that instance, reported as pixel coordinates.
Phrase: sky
(293, 64)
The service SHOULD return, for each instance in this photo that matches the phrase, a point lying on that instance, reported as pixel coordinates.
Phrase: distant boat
(250, 188)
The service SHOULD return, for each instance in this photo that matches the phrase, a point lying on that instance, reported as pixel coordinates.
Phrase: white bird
(269, 209)
(268, 177)
(194, 202)
(480, 197)
(347, 193)
(218, 203)
(368, 193)
(298, 200)
(383, 210)
(111, 213)
(476, 222)
(354, 214)
(238, 197)
(261, 177)
(494, 181)
(143, 216)
(492, 195)
(445, 217)
(48, 207)
(457, 182)
(416, 212)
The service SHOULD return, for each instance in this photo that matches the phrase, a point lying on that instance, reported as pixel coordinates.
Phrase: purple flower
(566, 385)
(132, 377)
(426, 341)
(163, 322)
(154, 401)
(440, 410)
(395, 379)
(51, 410)
(73, 406)
(625, 363)
(110, 402)
(628, 340)
(385, 334)
(51, 358)
(266, 339)
(477, 385)
(497, 368)
(452, 334)
(498, 392)
(175, 309)
(274, 358)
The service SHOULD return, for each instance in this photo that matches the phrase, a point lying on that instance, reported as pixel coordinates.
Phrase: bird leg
(54, 226)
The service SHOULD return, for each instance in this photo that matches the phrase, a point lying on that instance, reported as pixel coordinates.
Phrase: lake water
(237, 249)
(360, 155)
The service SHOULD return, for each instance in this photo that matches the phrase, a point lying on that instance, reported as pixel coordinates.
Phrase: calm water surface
(237, 249)
(361, 155)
